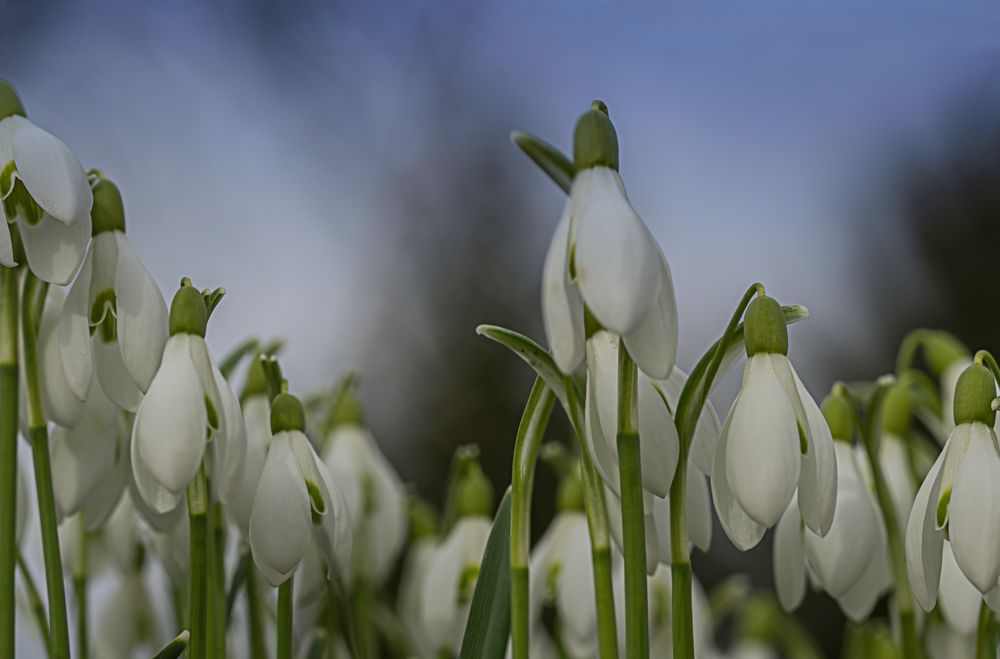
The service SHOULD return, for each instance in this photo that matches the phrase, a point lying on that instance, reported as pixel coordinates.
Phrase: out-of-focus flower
(423, 542)
(604, 260)
(114, 321)
(44, 192)
(129, 621)
(256, 404)
(773, 442)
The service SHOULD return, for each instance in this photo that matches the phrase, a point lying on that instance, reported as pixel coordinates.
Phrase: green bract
(423, 520)
(474, 495)
(188, 314)
(942, 350)
(839, 414)
(287, 414)
(595, 143)
(974, 396)
(764, 327)
(897, 410)
(10, 102)
(107, 214)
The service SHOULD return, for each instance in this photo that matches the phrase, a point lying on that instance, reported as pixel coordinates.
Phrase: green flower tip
(423, 520)
(839, 416)
(474, 495)
(188, 313)
(346, 409)
(595, 142)
(569, 497)
(942, 349)
(256, 382)
(897, 410)
(974, 396)
(764, 327)
(10, 102)
(287, 414)
(108, 213)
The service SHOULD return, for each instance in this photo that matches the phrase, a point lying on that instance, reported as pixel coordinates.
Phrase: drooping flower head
(256, 403)
(189, 407)
(114, 321)
(774, 441)
(45, 196)
(959, 499)
(604, 261)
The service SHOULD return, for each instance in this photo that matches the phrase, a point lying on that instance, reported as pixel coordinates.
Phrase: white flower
(114, 320)
(129, 621)
(45, 192)
(895, 462)
(408, 597)
(450, 582)
(959, 600)
(604, 258)
(375, 497)
(188, 407)
(851, 562)
(111, 547)
(171, 545)
(296, 504)
(774, 440)
(257, 421)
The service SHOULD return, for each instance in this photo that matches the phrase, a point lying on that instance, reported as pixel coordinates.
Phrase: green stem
(902, 595)
(985, 644)
(530, 432)
(285, 606)
(37, 606)
(255, 614)
(217, 582)
(38, 434)
(80, 590)
(363, 602)
(633, 519)
(198, 589)
(689, 408)
(8, 455)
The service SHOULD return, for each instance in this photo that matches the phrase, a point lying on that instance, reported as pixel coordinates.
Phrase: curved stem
(37, 606)
(689, 407)
(198, 517)
(985, 645)
(285, 606)
(530, 432)
(9, 392)
(633, 518)
(38, 433)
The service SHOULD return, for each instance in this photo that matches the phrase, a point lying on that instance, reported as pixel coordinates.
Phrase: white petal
(55, 250)
(171, 545)
(959, 600)
(789, 559)
(898, 475)
(61, 404)
(575, 586)
(142, 315)
(204, 367)
(605, 461)
(280, 524)
(113, 376)
(168, 440)
(81, 458)
(6, 244)
(923, 540)
(653, 342)
(818, 480)
(658, 442)
(74, 333)
(974, 526)
(699, 508)
(762, 450)
(333, 535)
(741, 529)
(859, 601)
(617, 262)
(51, 173)
(257, 421)
(230, 450)
(562, 306)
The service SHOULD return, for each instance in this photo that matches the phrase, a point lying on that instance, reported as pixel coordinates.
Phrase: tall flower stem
(37, 606)
(902, 595)
(255, 613)
(216, 547)
(633, 518)
(689, 407)
(285, 605)
(530, 432)
(985, 643)
(197, 495)
(80, 590)
(33, 292)
(8, 455)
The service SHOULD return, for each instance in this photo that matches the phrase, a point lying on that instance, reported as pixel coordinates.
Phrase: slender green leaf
(174, 648)
(535, 355)
(236, 355)
(550, 159)
(488, 628)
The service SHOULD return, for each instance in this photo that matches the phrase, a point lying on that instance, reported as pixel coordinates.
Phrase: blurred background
(344, 170)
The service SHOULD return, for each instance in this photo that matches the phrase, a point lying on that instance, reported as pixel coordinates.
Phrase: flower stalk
(37, 606)
(198, 502)
(985, 633)
(285, 605)
(80, 591)
(8, 455)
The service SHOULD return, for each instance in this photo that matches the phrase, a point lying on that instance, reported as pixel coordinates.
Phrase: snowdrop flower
(114, 320)
(959, 601)
(256, 405)
(44, 194)
(372, 488)
(603, 260)
(112, 547)
(773, 442)
(422, 546)
(189, 407)
(851, 562)
(129, 621)
(296, 502)
(943, 642)
(960, 497)
(171, 546)
(452, 572)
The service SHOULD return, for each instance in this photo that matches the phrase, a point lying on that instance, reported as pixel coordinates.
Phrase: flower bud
(423, 520)
(347, 410)
(10, 102)
(107, 213)
(942, 349)
(188, 314)
(595, 143)
(287, 414)
(839, 416)
(474, 495)
(764, 327)
(974, 396)
(897, 410)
